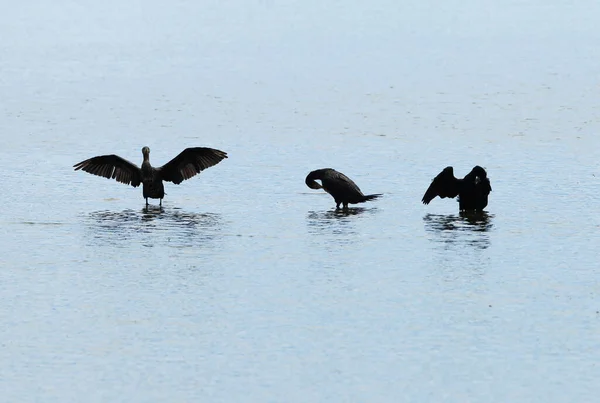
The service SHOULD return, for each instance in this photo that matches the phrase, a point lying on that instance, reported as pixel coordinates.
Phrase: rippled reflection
(337, 213)
(153, 225)
(335, 222)
(468, 228)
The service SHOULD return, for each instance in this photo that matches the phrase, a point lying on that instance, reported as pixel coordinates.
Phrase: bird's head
(314, 185)
(310, 180)
(480, 172)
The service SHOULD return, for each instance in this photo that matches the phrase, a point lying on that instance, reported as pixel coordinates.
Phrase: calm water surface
(247, 285)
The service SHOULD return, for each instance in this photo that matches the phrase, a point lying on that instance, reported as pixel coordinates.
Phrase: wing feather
(190, 162)
(112, 167)
(443, 185)
(337, 180)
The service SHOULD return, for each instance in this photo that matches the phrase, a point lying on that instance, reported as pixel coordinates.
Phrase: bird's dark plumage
(339, 186)
(112, 167)
(472, 190)
(190, 162)
(187, 164)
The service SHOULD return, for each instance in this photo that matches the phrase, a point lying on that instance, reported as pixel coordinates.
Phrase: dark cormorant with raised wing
(187, 164)
(472, 190)
(339, 186)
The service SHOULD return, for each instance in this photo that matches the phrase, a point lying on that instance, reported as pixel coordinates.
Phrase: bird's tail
(371, 197)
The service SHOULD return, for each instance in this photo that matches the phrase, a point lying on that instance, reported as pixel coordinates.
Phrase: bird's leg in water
(345, 206)
(160, 203)
(146, 202)
(337, 205)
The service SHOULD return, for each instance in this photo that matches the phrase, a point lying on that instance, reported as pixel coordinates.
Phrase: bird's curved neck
(146, 167)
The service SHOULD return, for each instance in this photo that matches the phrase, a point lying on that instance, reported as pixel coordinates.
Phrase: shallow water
(247, 285)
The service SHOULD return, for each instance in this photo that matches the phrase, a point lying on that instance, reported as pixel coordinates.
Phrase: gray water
(247, 285)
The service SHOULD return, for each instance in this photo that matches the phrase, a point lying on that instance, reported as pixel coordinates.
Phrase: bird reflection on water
(339, 222)
(154, 225)
(465, 228)
(337, 213)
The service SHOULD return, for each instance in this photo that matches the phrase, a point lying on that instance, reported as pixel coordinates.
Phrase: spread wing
(112, 167)
(190, 162)
(443, 185)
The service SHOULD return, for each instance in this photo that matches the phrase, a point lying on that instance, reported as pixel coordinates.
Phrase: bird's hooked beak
(314, 185)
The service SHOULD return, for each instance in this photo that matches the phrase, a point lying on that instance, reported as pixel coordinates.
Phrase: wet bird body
(152, 184)
(339, 186)
(472, 191)
(187, 164)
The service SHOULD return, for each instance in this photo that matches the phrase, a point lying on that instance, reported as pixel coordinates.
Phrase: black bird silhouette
(472, 190)
(339, 186)
(187, 164)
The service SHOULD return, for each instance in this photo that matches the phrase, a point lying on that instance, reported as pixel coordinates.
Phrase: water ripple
(152, 226)
(464, 228)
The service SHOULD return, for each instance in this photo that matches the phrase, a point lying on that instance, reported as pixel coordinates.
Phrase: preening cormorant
(339, 186)
(187, 164)
(472, 190)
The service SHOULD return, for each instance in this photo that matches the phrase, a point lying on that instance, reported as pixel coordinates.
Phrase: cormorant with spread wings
(187, 164)
(472, 190)
(339, 186)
